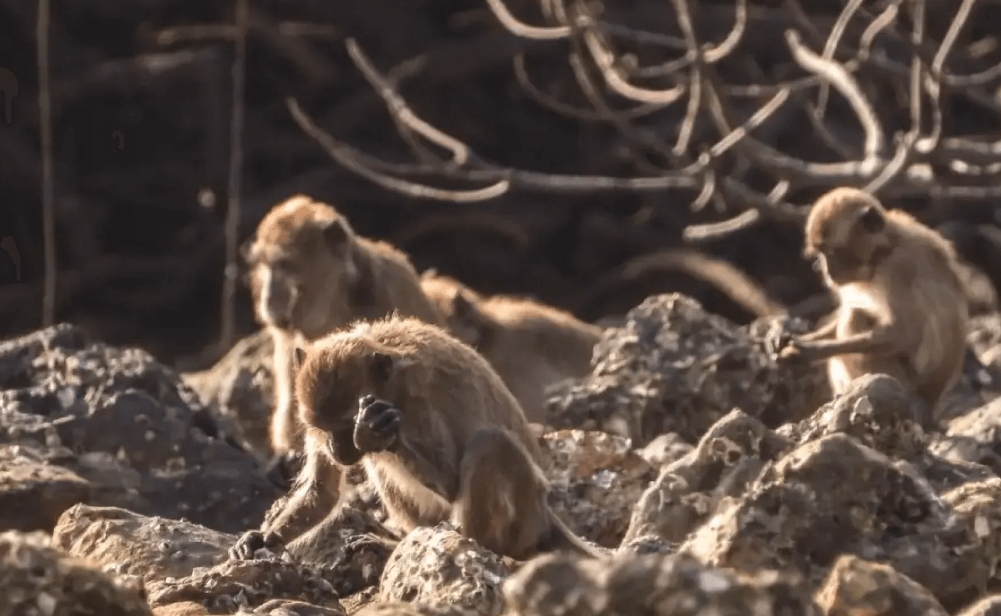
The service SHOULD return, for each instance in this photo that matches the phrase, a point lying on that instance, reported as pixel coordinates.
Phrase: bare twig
(231, 273)
(48, 171)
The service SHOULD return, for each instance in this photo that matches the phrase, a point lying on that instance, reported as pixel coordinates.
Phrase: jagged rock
(978, 506)
(676, 368)
(988, 606)
(974, 437)
(37, 579)
(152, 548)
(595, 479)
(438, 567)
(653, 585)
(34, 493)
(358, 550)
(184, 608)
(876, 410)
(665, 449)
(836, 496)
(236, 584)
(240, 386)
(857, 586)
(407, 609)
(730, 456)
(59, 389)
(286, 607)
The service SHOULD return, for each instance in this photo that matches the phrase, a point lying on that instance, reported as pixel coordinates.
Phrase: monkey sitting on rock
(440, 436)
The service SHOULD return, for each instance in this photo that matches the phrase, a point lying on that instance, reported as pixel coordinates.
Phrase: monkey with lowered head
(440, 436)
(903, 309)
(531, 345)
(310, 274)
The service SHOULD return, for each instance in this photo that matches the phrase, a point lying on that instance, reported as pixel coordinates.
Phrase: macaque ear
(872, 219)
(298, 356)
(383, 365)
(336, 232)
(462, 306)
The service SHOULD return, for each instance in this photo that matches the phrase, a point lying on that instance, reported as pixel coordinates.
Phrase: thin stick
(235, 177)
(48, 191)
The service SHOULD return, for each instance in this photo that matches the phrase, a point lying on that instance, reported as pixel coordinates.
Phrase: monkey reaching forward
(903, 310)
(311, 274)
(529, 344)
(440, 436)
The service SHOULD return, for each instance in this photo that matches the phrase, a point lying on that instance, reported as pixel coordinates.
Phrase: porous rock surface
(158, 450)
(674, 367)
(712, 478)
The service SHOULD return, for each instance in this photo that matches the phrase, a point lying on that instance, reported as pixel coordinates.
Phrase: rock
(595, 479)
(654, 585)
(36, 579)
(803, 512)
(34, 493)
(730, 456)
(857, 586)
(974, 437)
(286, 607)
(236, 584)
(59, 389)
(664, 449)
(152, 548)
(240, 386)
(184, 608)
(407, 609)
(676, 368)
(438, 567)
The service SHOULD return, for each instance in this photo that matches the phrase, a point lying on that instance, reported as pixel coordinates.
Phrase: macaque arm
(824, 331)
(314, 494)
(436, 473)
(282, 415)
(878, 340)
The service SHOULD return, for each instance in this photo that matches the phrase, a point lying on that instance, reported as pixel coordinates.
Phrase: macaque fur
(903, 309)
(311, 274)
(440, 436)
(530, 344)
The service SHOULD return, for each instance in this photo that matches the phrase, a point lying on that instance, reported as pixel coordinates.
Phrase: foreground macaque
(529, 344)
(311, 274)
(440, 437)
(903, 310)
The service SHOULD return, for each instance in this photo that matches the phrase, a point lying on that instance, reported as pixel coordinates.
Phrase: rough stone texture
(233, 584)
(802, 513)
(730, 455)
(411, 609)
(676, 368)
(240, 387)
(653, 584)
(149, 547)
(857, 586)
(33, 493)
(439, 567)
(37, 579)
(595, 480)
(59, 389)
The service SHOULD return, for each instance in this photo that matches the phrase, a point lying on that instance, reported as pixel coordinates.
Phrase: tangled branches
(697, 124)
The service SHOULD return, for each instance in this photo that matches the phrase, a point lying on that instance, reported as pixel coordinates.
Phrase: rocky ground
(718, 481)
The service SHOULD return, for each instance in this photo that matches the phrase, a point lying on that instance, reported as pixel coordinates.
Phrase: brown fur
(529, 344)
(903, 310)
(311, 274)
(461, 449)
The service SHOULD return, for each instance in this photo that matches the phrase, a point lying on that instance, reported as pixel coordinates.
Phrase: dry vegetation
(528, 147)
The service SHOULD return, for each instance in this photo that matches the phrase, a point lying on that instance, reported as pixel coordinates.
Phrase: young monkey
(903, 310)
(311, 274)
(529, 344)
(439, 434)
